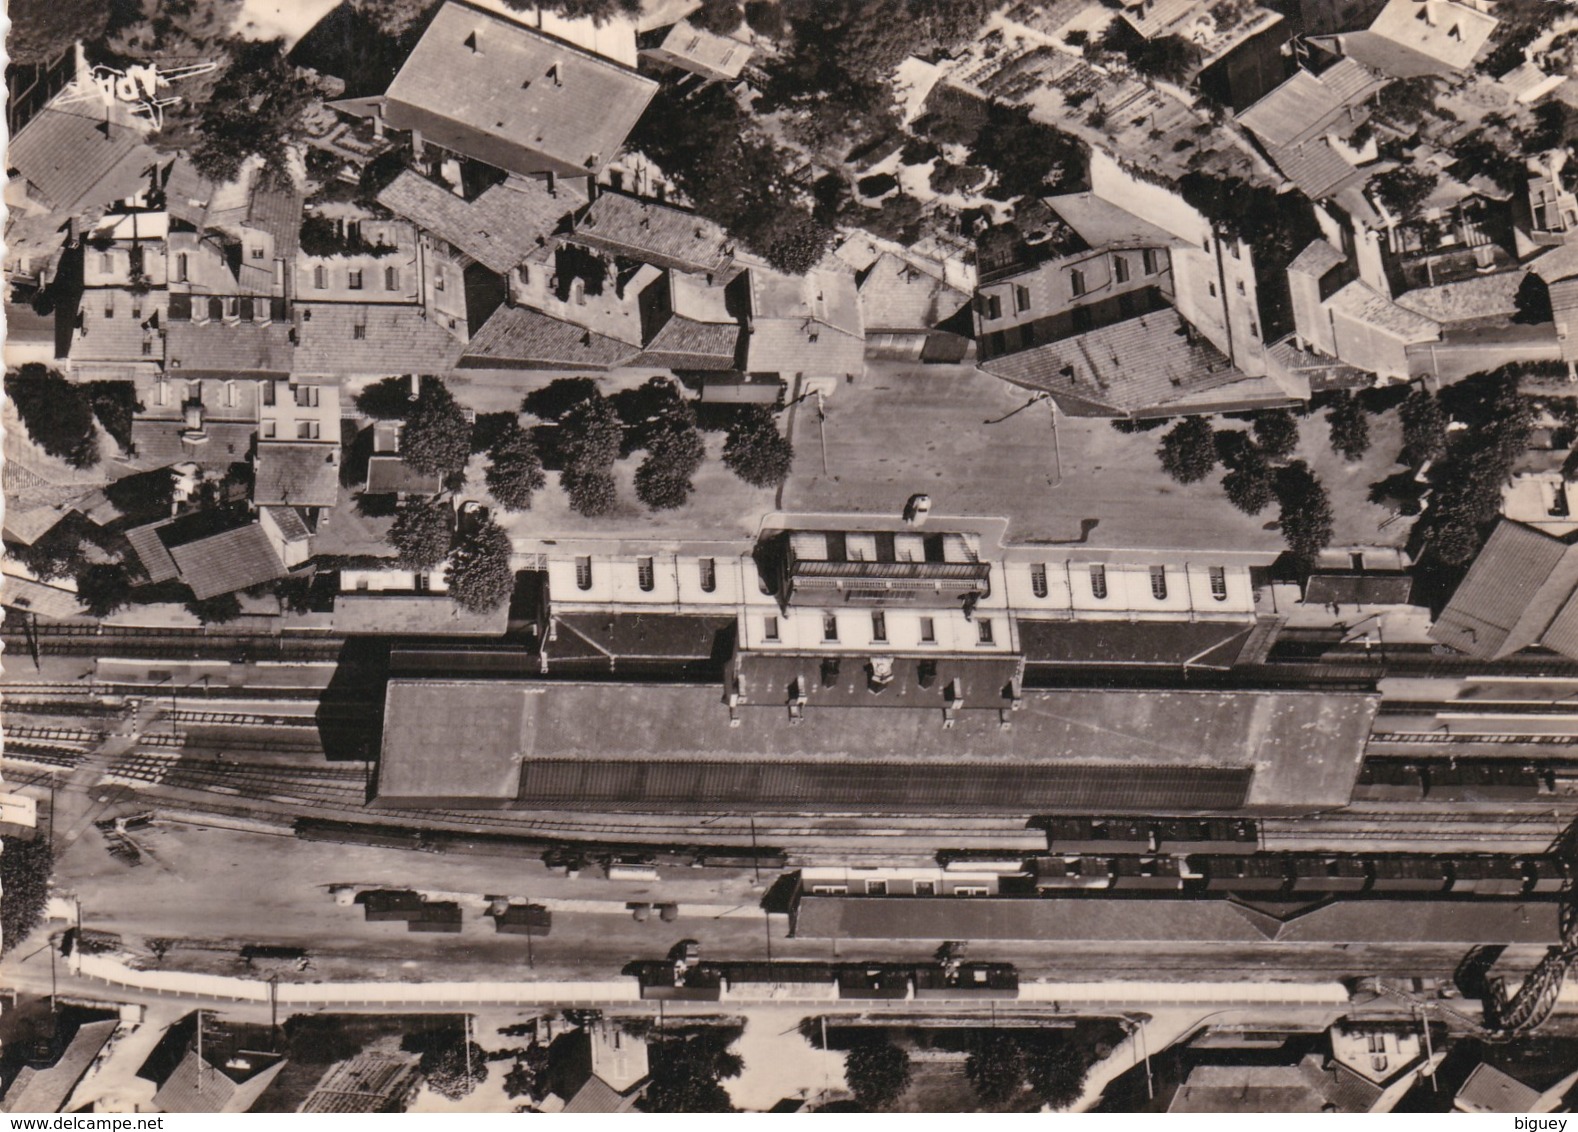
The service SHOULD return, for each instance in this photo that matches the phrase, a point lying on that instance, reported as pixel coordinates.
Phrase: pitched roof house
(48, 1090)
(498, 92)
(1522, 590)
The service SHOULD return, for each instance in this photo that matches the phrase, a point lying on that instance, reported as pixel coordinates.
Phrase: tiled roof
(1126, 367)
(1307, 104)
(292, 528)
(823, 294)
(1479, 296)
(297, 474)
(686, 344)
(596, 1095)
(1102, 224)
(229, 561)
(498, 229)
(1562, 633)
(791, 346)
(152, 553)
(652, 233)
(528, 339)
(1316, 168)
(1316, 259)
(48, 1090)
(162, 443)
(37, 597)
(118, 338)
(76, 159)
(1519, 582)
(194, 349)
(496, 91)
(395, 339)
(1488, 1089)
(1388, 57)
(275, 207)
(187, 192)
(705, 52)
(895, 295)
(1450, 33)
(1361, 302)
(196, 1086)
(1559, 263)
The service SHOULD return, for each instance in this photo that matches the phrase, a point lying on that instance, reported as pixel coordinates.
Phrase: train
(685, 979)
(1305, 876)
(1123, 835)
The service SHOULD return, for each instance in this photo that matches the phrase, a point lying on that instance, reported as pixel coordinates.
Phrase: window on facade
(969, 890)
(354, 279)
(1240, 285)
(925, 888)
(308, 396)
(1148, 261)
(230, 394)
(1038, 579)
(320, 277)
(879, 626)
(269, 430)
(1159, 583)
(645, 577)
(391, 279)
(1120, 269)
(1076, 281)
(268, 393)
(257, 252)
(136, 309)
(1219, 583)
(709, 575)
(180, 268)
(928, 631)
(216, 309)
(525, 274)
(1212, 288)
(248, 309)
(994, 306)
(1098, 582)
(438, 278)
(1254, 330)
(983, 630)
(876, 888)
(107, 263)
(161, 393)
(359, 332)
(147, 347)
(424, 582)
(769, 628)
(109, 305)
(583, 572)
(1021, 298)
(829, 627)
(307, 430)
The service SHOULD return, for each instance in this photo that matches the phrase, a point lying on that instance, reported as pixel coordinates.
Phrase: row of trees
(25, 868)
(1257, 471)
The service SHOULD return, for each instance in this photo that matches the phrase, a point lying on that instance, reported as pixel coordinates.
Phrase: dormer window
(1076, 282)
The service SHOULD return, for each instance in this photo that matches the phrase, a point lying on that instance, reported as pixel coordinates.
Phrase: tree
(559, 396)
(1404, 190)
(215, 610)
(57, 414)
(1424, 428)
(25, 868)
(395, 17)
(114, 403)
(663, 479)
(1168, 57)
(453, 1068)
(520, 1081)
(422, 533)
(1277, 433)
(651, 409)
(1406, 102)
(436, 439)
(592, 494)
(1350, 428)
(1532, 300)
(996, 1067)
(794, 241)
(386, 400)
(590, 437)
(1056, 1070)
(688, 1071)
(514, 470)
(718, 16)
(254, 110)
(598, 11)
(765, 17)
(878, 1072)
(756, 451)
(43, 29)
(480, 576)
(103, 588)
(1188, 450)
(1248, 485)
(1306, 514)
